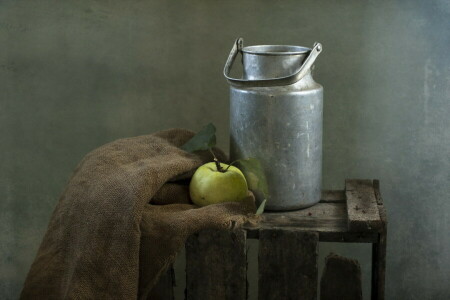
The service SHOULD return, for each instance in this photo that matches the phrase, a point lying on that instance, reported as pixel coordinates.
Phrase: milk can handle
(273, 81)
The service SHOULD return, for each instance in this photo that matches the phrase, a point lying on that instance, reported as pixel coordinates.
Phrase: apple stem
(218, 166)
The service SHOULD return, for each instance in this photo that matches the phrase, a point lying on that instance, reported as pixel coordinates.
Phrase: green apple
(216, 182)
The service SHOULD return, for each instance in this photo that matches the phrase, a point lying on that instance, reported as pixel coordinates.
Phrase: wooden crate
(216, 261)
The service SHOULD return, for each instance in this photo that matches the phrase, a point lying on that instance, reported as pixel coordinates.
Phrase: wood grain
(216, 265)
(362, 207)
(328, 218)
(287, 264)
(341, 279)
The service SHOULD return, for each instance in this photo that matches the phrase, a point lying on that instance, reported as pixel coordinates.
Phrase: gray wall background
(77, 74)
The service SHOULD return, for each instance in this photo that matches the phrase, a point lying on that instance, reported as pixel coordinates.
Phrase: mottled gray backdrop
(77, 74)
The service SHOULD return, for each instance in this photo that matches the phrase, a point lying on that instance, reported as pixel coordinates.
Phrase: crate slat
(362, 207)
(287, 264)
(341, 279)
(216, 265)
(216, 260)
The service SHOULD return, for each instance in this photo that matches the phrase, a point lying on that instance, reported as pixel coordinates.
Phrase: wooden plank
(341, 279)
(163, 290)
(216, 265)
(328, 219)
(322, 217)
(287, 264)
(362, 208)
(312, 217)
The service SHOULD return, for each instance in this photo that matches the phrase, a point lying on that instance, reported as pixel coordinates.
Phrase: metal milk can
(276, 117)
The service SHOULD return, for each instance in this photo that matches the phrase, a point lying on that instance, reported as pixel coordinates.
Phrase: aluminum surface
(281, 126)
(273, 61)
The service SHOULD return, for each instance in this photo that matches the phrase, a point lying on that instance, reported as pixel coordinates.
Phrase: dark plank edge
(330, 236)
(287, 262)
(341, 279)
(216, 265)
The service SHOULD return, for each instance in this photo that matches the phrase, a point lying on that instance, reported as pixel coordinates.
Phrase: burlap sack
(122, 219)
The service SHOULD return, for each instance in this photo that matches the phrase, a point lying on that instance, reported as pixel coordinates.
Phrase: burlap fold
(121, 220)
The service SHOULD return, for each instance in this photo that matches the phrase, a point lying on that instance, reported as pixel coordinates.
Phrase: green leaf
(203, 140)
(261, 207)
(256, 179)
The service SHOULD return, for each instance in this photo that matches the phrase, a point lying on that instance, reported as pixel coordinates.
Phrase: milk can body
(276, 117)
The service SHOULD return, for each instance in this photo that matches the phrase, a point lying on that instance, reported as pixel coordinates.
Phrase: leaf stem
(231, 164)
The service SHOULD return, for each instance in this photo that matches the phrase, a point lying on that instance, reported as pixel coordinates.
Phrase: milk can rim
(272, 50)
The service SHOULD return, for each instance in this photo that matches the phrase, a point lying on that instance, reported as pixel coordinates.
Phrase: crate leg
(216, 265)
(379, 249)
(287, 264)
(379, 267)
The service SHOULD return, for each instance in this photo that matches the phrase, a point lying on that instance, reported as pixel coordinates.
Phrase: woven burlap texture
(122, 219)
